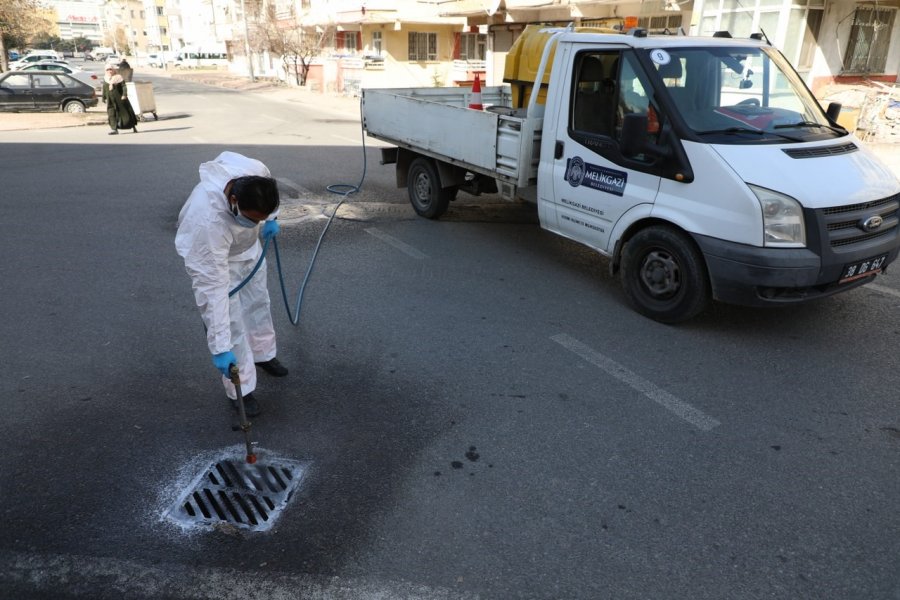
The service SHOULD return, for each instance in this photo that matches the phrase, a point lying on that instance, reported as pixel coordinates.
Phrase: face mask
(241, 219)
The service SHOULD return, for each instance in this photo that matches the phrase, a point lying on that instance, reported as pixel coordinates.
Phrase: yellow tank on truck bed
(524, 60)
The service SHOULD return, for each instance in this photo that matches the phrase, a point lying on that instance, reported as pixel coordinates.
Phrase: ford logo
(872, 223)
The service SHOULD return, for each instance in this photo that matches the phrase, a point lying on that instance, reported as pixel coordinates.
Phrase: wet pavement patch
(232, 492)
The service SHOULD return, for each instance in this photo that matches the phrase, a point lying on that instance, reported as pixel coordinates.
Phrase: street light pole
(247, 41)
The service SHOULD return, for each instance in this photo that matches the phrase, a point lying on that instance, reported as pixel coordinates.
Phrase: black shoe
(273, 368)
(113, 133)
(251, 406)
(135, 129)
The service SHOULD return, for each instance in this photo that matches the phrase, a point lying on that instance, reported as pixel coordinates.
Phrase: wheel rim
(660, 274)
(422, 187)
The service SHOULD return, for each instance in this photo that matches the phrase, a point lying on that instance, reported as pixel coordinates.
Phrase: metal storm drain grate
(240, 494)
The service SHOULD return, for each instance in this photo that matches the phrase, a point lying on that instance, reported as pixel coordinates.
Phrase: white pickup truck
(703, 168)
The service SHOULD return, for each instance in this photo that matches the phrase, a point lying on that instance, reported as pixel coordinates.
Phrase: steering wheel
(749, 102)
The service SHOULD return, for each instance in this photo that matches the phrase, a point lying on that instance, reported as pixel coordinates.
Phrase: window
(69, 82)
(376, 43)
(472, 46)
(608, 86)
(45, 80)
(661, 24)
(870, 36)
(347, 41)
(422, 46)
(17, 82)
(594, 102)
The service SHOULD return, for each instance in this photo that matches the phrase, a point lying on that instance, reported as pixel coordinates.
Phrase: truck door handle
(558, 150)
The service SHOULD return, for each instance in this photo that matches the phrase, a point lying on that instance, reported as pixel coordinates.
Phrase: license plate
(863, 268)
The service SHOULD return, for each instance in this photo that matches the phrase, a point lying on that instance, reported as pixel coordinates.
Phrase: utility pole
(247, 41)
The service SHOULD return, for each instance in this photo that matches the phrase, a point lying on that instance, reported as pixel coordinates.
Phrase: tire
(73, 106)
(664, 275)
(428, 199)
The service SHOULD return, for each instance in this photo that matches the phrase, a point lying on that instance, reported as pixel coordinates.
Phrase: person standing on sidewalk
(119, 113)
(218, 238)
(126, 71)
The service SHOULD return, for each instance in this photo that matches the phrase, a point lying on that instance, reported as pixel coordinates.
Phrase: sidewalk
(97, 115)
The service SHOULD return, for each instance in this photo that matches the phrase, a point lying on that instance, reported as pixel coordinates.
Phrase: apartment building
(381, 43)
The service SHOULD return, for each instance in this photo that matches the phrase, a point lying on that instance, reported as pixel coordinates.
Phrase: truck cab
(706, 169)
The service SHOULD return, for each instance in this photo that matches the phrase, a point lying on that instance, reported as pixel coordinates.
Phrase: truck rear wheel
(425, 193)
(664, 275)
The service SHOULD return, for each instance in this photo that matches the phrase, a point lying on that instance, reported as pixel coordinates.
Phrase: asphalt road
(478, 411)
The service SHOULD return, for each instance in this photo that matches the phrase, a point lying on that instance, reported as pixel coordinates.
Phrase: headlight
(783, 225)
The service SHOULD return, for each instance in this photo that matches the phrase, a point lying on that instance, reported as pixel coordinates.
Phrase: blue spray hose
(345, 190)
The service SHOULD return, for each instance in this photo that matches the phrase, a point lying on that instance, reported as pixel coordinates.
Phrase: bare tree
(282, 35)
(20, 20)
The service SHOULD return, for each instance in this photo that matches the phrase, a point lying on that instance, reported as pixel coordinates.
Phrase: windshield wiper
(811, 124)
(737, 130)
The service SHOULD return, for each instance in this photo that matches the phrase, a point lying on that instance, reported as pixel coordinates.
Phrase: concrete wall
(833, 39)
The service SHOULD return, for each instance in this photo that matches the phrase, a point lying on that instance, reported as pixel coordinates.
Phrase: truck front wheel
(425, 193)
(664, 275)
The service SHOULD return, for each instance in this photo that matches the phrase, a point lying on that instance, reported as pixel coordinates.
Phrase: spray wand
(245, 424)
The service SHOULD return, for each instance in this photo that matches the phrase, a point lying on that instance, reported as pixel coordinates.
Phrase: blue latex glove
(223, 361)
(270, 229)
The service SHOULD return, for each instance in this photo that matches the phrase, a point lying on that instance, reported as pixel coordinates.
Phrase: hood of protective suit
(227, 166)
(207, 209)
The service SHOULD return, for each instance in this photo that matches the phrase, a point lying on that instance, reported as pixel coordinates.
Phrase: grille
(843, 224)
(864, 206)
(821, 151)
(233, 492)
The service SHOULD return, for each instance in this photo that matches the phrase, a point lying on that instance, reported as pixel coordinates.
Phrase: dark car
(28, 92)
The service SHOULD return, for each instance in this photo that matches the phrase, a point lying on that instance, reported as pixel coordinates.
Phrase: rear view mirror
(745, 84)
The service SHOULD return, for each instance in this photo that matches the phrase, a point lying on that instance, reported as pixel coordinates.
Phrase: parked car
(25, 91)
(83, 76)
(33, 57)
(48, 61)
(100, 53)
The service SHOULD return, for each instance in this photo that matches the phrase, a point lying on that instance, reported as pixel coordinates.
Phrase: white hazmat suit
(218, 254)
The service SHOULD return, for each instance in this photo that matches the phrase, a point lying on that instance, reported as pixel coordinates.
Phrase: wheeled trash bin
(140, 95)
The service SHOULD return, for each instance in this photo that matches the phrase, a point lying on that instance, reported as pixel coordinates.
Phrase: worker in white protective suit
(218, 237)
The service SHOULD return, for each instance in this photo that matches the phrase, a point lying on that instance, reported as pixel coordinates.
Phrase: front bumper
(752, 276)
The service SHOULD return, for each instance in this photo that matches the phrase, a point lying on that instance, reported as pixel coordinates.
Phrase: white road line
(198, 139)
(293, 185)
(401, 246)
(882, 290)
(89, 577)
(271, 118)
(682, 409)
(346, 139)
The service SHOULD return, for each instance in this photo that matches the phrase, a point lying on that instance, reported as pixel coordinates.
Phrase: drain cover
(233, 492)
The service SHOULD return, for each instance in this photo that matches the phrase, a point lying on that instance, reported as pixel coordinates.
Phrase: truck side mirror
(634, 138)
(834, 109)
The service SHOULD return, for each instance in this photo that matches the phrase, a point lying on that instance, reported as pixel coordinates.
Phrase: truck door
(593, 183)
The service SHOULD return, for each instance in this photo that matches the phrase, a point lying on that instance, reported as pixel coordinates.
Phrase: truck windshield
(743, 95)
